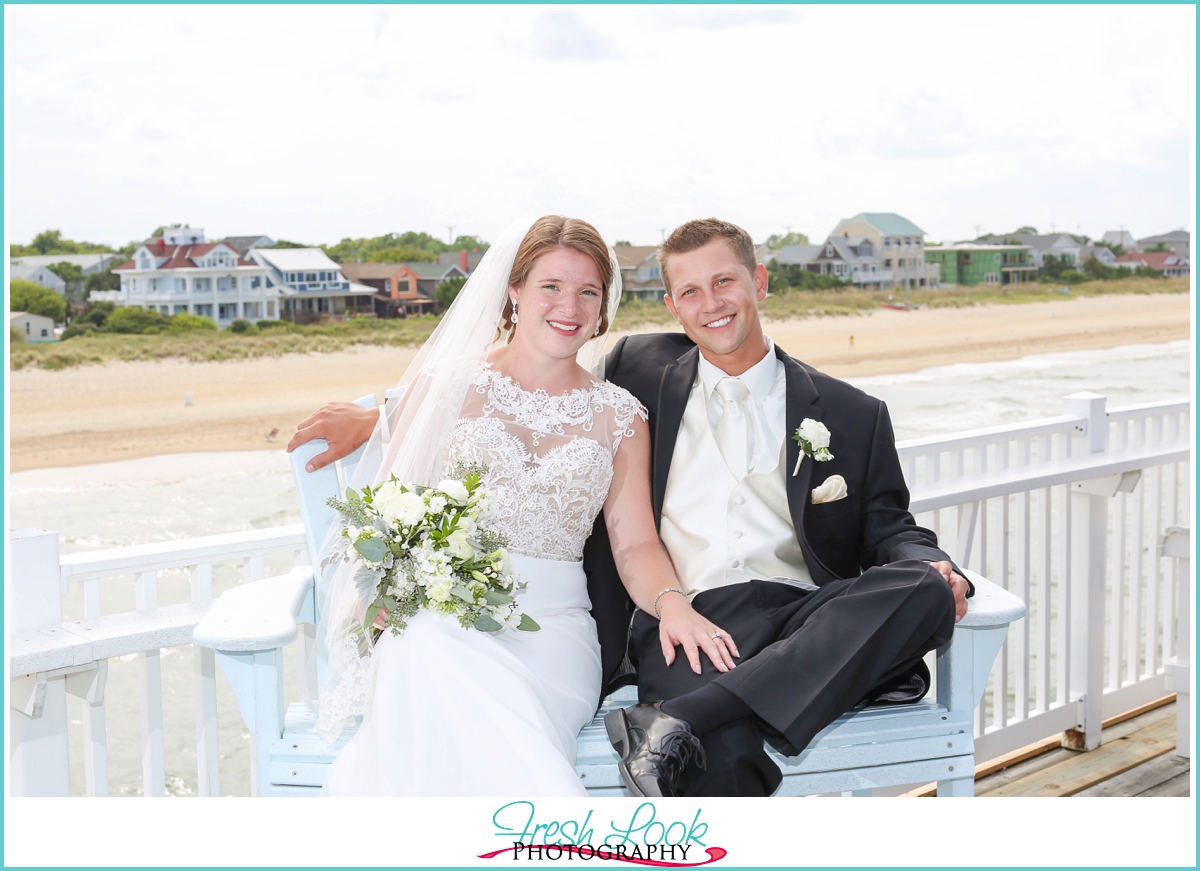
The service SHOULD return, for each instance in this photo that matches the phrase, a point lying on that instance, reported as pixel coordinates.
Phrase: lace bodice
(549, 458)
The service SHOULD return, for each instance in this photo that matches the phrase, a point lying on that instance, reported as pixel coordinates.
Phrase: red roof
(1153, 259)
(182, 256)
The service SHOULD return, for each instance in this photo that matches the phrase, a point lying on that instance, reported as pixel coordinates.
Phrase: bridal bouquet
(428, 547)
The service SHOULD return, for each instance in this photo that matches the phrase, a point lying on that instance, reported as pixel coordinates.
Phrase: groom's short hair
(696, 234)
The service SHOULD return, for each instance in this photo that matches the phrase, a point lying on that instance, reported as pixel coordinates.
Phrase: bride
(457, 712)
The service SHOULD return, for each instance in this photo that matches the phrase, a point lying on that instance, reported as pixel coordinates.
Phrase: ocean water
(188, 495)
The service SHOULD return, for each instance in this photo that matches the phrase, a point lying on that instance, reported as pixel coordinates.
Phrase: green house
(969, 264)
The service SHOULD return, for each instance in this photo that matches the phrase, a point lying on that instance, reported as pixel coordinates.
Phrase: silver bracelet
(663, 593)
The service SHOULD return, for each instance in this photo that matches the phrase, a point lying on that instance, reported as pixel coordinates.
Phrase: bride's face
(558, 306)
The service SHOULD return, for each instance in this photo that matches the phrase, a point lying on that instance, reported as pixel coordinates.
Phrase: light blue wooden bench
(249, 626)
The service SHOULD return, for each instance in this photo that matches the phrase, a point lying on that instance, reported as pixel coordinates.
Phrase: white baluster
(1154, 582)
(154, 777)
(204, 683)
(95, 740)
(252, 569)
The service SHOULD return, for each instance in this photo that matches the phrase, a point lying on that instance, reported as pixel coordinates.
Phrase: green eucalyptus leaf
(371, 548)
(492, 597)
(462, 593)
(484, 623)
(528, 624)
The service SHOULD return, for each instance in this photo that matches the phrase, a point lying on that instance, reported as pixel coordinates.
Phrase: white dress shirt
(719, 530)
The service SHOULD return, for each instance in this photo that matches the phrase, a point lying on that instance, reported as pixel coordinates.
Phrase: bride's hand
(680, 623)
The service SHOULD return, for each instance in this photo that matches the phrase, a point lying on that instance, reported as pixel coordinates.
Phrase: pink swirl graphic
(715, 854)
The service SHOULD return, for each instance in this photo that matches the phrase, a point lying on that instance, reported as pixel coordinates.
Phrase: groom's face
(715, 299)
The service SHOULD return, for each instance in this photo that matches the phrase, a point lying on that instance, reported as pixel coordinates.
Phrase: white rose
(468, 526)
(458, 545)
(404, 508)
(386, 492)
(455, 490)
(438, 591)
(815, 433)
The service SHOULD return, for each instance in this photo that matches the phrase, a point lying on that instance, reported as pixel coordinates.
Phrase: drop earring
(597, 330)
(514, 312)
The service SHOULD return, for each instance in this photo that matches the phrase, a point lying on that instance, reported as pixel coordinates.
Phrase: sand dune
(122, 411)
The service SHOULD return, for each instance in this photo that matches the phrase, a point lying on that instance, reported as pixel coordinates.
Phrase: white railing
(1065, 512)
(51, 658)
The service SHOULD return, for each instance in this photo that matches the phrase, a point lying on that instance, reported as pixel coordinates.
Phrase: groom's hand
(958, 584)
(681, 624)
(343, 425)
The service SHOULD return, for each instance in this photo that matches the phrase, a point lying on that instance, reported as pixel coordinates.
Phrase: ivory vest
(718, 531)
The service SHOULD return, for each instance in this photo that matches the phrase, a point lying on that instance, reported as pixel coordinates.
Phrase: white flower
(468, 526)
(455, 490)
(385, 492)
(437, 504)
(404, 508)
(485, 505)
(815, 433)
(438, 591)
(458, 546)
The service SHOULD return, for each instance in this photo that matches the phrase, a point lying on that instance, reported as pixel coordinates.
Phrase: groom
(812, 565)
(815, 569)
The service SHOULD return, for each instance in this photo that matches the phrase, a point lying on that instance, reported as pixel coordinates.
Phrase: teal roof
(890, 224)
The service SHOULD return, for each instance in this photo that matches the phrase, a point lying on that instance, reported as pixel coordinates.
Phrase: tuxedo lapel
(802, 399)
(673, 391)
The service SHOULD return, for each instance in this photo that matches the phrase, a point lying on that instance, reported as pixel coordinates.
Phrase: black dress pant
(807, 657)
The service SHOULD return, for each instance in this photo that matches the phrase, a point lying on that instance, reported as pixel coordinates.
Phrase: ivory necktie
(734, 435)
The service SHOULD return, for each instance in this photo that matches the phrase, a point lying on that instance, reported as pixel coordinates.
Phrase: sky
(313, 123)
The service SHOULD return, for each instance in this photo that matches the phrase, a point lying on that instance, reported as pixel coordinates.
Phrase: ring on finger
(716, 636)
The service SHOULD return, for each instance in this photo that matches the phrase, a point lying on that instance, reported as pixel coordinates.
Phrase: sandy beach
(122, 411)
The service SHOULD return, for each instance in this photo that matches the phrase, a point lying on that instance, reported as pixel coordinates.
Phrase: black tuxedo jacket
(870, 527)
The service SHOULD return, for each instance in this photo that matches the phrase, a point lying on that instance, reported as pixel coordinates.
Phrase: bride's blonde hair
(551, 232)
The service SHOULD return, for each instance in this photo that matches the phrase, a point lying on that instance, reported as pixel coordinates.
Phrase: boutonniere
(813, 438)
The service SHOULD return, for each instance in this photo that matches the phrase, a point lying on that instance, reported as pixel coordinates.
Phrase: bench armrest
(260, 615)
(992, 605)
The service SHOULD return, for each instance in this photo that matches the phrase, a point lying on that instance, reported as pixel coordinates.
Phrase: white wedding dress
(459, 712)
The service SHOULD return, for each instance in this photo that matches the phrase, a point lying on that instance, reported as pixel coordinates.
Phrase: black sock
(707, 708)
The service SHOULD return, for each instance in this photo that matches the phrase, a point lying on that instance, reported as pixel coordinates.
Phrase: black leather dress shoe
(654, 748)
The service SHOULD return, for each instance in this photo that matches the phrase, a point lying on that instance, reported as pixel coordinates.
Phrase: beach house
(641, 277)
(35, 328)
(180, 272)
(898, 242)
(1177, 242)
(38, 274)
(309, 284)
(969, 264)
(403, 289)
(1171, 265)
(1061, 245)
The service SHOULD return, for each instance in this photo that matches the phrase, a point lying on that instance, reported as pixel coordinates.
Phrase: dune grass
(326, 338)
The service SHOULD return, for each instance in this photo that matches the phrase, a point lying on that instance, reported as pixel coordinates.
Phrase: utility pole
(977, 231)
(450, 235)
(663, 231)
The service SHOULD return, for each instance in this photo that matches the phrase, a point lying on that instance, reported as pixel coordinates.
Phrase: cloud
(563, 35)
(720, 19)
(151, 134)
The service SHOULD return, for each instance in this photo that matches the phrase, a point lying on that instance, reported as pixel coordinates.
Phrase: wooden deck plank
(1136, 781)
(1179, 786)
(1027, 760)
(1084, 769)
